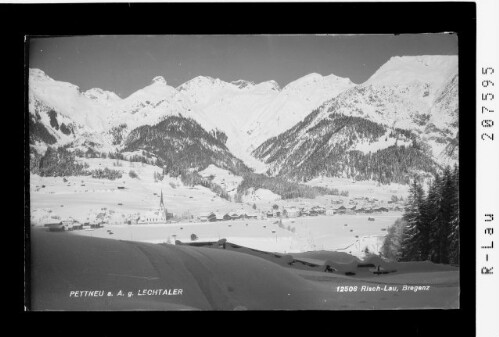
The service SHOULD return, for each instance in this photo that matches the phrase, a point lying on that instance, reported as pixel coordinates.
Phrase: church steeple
(161, 203)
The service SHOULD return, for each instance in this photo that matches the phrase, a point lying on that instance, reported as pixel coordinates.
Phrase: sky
(125, 64)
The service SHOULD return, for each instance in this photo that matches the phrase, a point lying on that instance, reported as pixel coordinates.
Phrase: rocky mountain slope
(403, 120)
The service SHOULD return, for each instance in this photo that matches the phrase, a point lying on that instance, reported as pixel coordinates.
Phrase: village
(355, 206)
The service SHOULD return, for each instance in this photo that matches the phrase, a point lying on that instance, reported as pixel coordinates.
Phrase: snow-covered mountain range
(401, 120)
(409, 100)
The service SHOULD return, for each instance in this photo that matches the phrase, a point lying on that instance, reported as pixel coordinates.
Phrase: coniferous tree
(431, 217)
(441, 228)
(432, 222)
(454, 219)
(447, 210)
(411, 240)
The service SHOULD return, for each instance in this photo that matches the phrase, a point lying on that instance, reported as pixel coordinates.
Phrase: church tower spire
(161, 203)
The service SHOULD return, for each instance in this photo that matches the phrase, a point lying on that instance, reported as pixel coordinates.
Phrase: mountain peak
(35, 73)
(98, 94)
(314, 80)
(311, 77)
(199, 81)
(241, 84)
(159, 79)
(271, 85)
(434, 69)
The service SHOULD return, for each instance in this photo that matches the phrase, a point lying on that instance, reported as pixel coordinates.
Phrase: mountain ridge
(400, 95)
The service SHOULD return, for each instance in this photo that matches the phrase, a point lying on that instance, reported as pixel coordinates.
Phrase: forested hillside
(346, 146)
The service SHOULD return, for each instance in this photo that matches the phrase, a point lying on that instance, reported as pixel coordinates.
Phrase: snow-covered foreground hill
(71, 272)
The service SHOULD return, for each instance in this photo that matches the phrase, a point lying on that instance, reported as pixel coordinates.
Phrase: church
(158, 216)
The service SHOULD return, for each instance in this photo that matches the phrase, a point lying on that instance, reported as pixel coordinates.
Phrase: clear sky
(124, 64)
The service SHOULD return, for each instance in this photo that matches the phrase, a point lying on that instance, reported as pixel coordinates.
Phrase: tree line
(429, 229)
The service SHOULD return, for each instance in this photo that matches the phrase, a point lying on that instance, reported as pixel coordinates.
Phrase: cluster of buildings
(293, 212)
(290, 212)
(72, 225)
(217, 216)
(349, 209)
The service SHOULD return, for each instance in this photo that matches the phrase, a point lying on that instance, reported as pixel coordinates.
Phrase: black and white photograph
(244, 172)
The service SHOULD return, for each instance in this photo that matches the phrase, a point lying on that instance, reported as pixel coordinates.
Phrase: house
(313, 212)
(71, 224)
(251, 215)
(304, 212)
(216, 216)
(291, 212)
(232, 216)
(56, 227)
(274, 213)
(86, 226)
(241, 214)
(350, 209)
(330, 211)
(320, 209)
(205, 216)
(77, 226)
(341, 210)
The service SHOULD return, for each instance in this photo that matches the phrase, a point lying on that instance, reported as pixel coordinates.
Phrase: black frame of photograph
(267, 18)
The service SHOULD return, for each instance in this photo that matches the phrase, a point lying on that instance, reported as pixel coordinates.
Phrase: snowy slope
(246, 112)
(404, 70)
(250, 113)
(102, 96)
(67, 100)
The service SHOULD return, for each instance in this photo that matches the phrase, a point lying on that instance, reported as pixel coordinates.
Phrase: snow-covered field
(347, 233)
